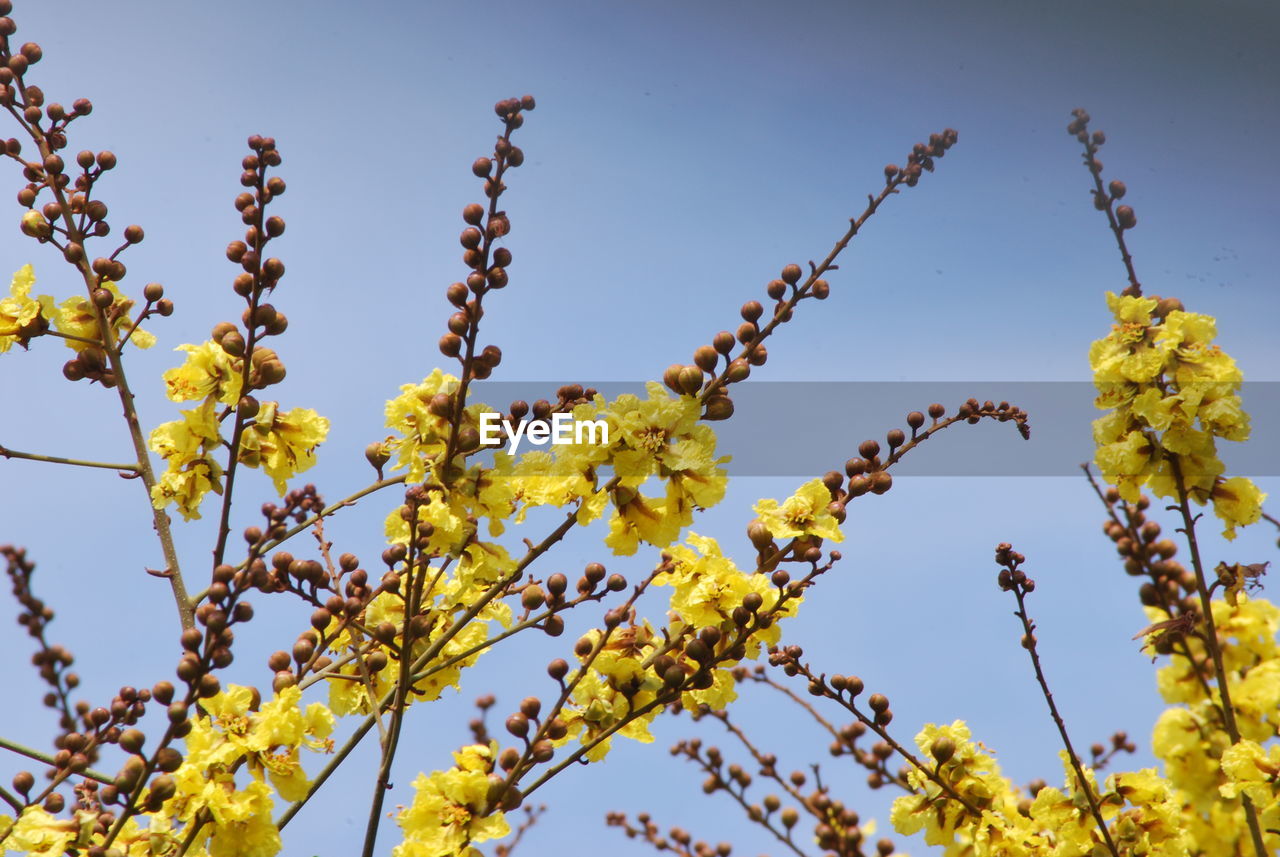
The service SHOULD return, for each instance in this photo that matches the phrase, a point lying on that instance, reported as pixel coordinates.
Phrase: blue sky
(680, 154)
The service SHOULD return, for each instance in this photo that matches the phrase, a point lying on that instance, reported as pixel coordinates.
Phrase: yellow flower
(282, 444)
(192, 471)
(183, 441)
(1238, 503)
(975, 776)
(1131, 309)
(451, 809)
(708, 586)
(268, 738)
(804, 513)
(39, 833)
(187, 487)
(1253, 770)
(660, 436)
(423, 434)
(21, 316)
(77, 316)
(347, 692)
(208, 371)
(242, 823)
(1172, 393)
(651, 425)
(541, 479)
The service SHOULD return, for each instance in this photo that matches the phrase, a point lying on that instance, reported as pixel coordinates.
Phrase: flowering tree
(203, 766)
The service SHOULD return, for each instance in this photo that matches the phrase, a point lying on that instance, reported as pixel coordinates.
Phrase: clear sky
(680, 154)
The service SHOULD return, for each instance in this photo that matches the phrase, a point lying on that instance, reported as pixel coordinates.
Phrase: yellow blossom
(192, 472)
(282, 444)
(423, 433)
(1238, 503)
(78, 317)
(804, 513)
(709, 586)
(1172, 392)
(36, 832)
(21, 316)
(208, 372)
(451, 809)
(638, 518)
(187, 486)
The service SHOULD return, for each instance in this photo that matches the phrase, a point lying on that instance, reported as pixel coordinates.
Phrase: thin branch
(1211, 641)
(1020, 588)
(326, 512)
(5, 452)
(1181, 647)
(434, 650)
(72, 337)
(23, 750)
(1103, 199)
(160, 519)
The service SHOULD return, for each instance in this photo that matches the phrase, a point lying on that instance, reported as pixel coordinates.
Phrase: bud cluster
(65, 210)
(260, 274)
(90, 729)
(1170, 586)
(837, 828)
(486, 225)
(568, 397)
(1120, 217)
(789, 288)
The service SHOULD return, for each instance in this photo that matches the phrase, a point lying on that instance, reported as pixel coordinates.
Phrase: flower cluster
(1171, 392)
(966, 805)
(279, 444)
(452, 809)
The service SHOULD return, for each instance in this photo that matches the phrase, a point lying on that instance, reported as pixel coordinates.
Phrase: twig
(23, 750)
(5, 452)
(1016, 581)
(1188, 529)
(1103, 199)
(160, 519)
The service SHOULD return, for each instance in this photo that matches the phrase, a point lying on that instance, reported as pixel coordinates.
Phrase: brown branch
(1188, 529)
(1015, 580)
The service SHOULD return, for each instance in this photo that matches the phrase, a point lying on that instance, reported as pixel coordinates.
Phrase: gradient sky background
(680, 154)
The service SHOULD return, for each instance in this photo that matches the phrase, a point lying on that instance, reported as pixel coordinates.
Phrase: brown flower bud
(671, 377)
(942, 749)
(759, 535)
(690, 380)
(718, 408)
(450, 345)
(533, 597)
(738, 371)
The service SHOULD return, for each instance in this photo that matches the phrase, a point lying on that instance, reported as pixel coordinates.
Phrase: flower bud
(35, 225)
(718, 408)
